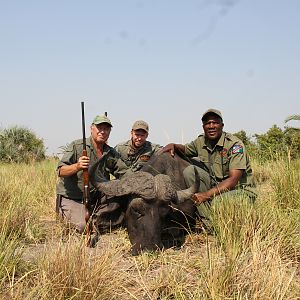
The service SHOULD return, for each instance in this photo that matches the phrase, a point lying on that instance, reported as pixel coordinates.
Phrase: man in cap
(69, 188)
(137, 151)
(226, 164)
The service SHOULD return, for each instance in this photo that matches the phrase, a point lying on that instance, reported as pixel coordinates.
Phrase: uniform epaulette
(229, 136)
(79, 142)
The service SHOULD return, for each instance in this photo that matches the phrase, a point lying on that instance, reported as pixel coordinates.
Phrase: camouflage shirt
(228, 154)
(136, 158)
(111, 163)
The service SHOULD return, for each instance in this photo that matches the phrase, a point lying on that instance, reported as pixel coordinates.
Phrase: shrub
(20, 144)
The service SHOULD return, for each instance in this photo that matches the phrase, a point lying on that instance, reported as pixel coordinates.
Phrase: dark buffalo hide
(154, 203)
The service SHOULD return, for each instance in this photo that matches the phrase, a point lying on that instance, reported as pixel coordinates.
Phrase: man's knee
(189, 177)
(72, 213)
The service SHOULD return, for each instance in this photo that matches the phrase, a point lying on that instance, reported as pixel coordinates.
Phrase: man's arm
(224, 186)
(69, 170)
(172, 148)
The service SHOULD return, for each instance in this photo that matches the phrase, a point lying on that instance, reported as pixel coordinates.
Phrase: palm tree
(290, 118)
(293, 117)
(292, 137)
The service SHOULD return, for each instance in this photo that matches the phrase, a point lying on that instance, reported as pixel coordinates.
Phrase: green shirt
(111, 163)
(136, 158)
(228, 154)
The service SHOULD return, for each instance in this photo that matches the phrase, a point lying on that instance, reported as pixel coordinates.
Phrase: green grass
(253, 251)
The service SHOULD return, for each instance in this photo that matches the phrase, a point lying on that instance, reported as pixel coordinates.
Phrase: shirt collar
(89, 143)
(220, 142)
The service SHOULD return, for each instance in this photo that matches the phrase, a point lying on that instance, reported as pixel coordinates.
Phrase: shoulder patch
(223, 152)
(237, 149)
(144, 158)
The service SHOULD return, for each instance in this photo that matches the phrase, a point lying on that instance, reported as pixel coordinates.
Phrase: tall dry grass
(252, 252)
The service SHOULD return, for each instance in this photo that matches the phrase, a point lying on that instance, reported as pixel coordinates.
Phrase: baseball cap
(140, 124)
(101, 119)
(210, 112)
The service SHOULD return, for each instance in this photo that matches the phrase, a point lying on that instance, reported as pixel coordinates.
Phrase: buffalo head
(150, 199)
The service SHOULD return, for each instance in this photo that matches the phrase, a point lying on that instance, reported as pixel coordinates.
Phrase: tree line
(21, 145)
(275, 143)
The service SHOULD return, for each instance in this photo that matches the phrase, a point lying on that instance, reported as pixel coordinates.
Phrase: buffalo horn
(186, 194)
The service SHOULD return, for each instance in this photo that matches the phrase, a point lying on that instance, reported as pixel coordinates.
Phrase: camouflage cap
(101, 119)
(140, 124)
(211, 111)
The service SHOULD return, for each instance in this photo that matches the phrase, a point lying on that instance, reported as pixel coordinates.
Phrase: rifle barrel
(86, 189)
(83, 125)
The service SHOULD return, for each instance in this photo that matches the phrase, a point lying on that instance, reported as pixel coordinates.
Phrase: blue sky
(162, 61)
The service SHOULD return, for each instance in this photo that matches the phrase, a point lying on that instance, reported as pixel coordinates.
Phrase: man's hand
(83, 163)
(69, 170)
(201, 197)
(222, 187)
(168, 148)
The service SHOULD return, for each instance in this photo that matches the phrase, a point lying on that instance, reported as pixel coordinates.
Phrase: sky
(163, 61)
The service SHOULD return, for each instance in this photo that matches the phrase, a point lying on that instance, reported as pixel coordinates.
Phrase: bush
(271, 145)
(20, 144)
(292, 140)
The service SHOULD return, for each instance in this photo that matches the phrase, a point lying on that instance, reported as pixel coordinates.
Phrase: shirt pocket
(221, 167)
(203, 158)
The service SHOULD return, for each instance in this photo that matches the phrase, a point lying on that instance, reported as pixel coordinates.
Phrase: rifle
(86, 188)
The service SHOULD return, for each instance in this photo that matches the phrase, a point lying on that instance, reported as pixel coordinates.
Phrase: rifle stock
(86, 188)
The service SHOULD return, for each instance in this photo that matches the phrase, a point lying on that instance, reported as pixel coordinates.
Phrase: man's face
(138, 137)
(213, 127)
(100, 132)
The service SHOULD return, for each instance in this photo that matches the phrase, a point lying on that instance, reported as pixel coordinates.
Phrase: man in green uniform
(69, 188)
(226, 165)
(137, 151)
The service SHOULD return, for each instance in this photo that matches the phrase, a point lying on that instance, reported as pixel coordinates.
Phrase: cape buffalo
(154, 204)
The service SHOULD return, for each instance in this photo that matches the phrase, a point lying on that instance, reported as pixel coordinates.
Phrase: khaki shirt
(72, 186)
(228, 154)
(136, 158)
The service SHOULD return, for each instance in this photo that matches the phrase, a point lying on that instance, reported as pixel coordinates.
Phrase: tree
(292, 137)
(293, 117)
(243, 137)
(20, 144)
(271, 144)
